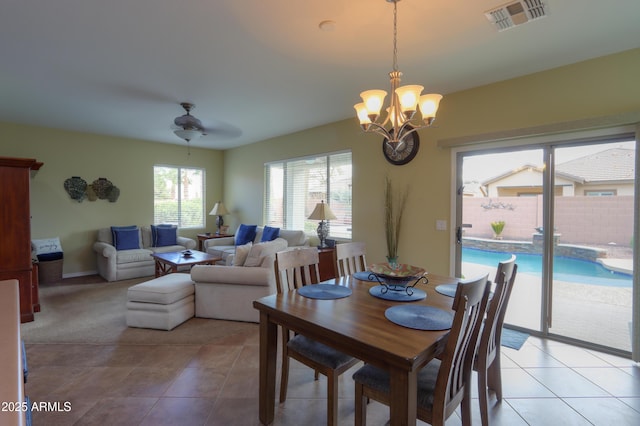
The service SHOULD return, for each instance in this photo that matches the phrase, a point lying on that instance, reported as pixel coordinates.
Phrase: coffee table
(167, 263)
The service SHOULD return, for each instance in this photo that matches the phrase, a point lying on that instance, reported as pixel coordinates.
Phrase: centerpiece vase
(393, 262)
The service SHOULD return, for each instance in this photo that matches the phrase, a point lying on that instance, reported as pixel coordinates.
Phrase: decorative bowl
(187, 253)
(400, 276)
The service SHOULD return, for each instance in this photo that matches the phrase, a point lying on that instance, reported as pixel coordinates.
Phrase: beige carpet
(74, 311)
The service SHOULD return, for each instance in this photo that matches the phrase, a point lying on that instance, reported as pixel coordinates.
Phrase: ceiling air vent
(515, 13)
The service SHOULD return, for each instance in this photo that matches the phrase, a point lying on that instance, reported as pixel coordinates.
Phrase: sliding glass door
(501, 200)
(567, 212)
(593, 214)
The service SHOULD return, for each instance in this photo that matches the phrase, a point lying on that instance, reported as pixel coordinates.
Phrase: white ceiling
(263, 68)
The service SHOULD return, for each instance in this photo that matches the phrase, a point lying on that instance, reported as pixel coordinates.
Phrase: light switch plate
(441, 225)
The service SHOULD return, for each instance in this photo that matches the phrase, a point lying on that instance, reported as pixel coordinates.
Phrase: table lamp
(219, 210)
(322, 212)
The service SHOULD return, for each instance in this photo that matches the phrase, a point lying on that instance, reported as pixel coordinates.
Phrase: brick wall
(578, 220)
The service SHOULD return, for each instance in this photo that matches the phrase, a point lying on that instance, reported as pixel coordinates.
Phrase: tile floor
(545, 383)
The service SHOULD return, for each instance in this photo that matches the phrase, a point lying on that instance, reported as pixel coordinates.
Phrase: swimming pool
(564, 268)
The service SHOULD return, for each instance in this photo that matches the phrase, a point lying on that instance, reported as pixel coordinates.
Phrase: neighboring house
(605, 173)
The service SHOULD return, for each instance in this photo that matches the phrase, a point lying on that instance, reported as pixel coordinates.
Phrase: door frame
(546, 141)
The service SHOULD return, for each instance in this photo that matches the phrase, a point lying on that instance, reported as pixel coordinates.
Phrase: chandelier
(405, 101)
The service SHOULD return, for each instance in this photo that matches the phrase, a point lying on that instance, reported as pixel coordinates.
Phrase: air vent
(516, 13)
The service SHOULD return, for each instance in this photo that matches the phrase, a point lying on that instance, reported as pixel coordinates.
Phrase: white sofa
(225, 247)
(116, 265)
(227, 292)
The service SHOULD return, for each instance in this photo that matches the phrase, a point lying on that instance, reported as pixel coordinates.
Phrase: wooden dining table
(355, 325)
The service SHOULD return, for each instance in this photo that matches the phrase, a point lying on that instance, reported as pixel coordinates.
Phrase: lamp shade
(322, 212)
(218, 209)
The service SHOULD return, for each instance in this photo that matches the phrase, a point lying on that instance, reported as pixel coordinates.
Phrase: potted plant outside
(498, 227)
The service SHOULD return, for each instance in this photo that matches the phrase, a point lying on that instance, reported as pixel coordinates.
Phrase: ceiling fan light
(188, 134)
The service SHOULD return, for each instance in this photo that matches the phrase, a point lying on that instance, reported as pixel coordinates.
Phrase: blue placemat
(397, 295)
(447, 289)
(364, 276)
(324, 291)
(420, 317)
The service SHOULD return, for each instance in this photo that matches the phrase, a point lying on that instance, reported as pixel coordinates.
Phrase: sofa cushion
(241, 254)
(245, 234)
(294, 238)
(133, 256)
(261, 250)
(235, 275)
(269, 234)
(164, 235)
(126, 237)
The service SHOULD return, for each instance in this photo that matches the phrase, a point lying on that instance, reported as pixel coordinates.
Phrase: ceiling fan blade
(224, 130)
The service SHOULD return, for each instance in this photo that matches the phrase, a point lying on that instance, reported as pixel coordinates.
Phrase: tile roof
(611, 164)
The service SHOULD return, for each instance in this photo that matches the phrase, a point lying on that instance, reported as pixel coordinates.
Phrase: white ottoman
(162, 303)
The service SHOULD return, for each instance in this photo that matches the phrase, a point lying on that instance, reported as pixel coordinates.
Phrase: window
(178, 196)
(601, 193)
(294, 187)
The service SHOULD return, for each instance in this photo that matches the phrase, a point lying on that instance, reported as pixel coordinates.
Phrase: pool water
(564, 268)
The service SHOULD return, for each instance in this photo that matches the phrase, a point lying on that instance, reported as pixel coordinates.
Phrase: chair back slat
(350, 258)
(454, 375)
(492, 330)
(296, 268)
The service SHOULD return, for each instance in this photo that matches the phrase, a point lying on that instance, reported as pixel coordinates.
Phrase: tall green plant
(394, 205)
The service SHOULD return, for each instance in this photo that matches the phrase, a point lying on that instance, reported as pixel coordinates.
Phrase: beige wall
(127, 163)
(596, 88)
(601, 87)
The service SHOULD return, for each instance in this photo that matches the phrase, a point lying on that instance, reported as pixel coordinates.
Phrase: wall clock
(403, 151)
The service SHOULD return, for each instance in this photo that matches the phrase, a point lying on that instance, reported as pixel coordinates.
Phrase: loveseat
(227, 292)
(225, 247)
(130, 255)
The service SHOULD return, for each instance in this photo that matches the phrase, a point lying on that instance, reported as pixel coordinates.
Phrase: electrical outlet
(441, 225)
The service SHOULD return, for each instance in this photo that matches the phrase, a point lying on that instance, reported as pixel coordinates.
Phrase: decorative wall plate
(102, 187)
(76, 187)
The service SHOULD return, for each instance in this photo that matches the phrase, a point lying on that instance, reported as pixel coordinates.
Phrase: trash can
(50, 259)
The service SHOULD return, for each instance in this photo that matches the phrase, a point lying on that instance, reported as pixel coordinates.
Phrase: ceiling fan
(187, 126)
(190, 128)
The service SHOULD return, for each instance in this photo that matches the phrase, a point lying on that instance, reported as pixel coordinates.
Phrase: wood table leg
(268, 354)
(404, 397)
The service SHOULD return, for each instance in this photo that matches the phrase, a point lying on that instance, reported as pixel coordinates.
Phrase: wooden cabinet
(327, 264)
(12, 365)
(15, 228)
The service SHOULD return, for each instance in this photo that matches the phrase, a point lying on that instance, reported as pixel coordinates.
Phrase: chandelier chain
(395, 35)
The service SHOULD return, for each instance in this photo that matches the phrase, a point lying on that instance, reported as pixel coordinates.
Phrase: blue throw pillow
(245, 234)
(164, 235)
(125, 237)
(269, 234)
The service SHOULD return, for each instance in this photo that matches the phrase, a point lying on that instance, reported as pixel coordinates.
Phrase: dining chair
(350, 258)
(487, 362)
(294, 269)
(443, 383)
